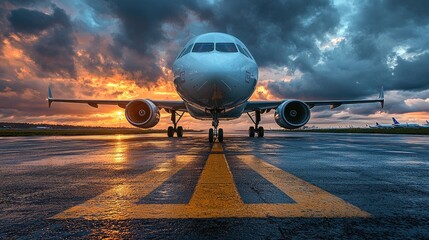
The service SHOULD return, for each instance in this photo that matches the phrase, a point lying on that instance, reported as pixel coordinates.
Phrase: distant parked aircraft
(397, 124)
(377, 125)
(425, 125)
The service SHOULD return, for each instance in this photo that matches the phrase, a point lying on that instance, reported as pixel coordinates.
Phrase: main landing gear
(256, 129)
(215, 133)
(175, 129)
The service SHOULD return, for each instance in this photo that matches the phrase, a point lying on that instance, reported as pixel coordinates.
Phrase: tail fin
(394, 121)
(49, 97)
(427, 122)
(376, 123)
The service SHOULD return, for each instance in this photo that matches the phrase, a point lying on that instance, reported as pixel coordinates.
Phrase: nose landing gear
(175, 129)
(256, 129)
(215, 133)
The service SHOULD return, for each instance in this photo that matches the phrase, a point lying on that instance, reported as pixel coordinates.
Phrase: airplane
(404, 125)
(377, 125)
(215, 75)
(425, 125)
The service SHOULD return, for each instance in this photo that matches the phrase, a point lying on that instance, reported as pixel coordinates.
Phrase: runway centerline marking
(215, 195)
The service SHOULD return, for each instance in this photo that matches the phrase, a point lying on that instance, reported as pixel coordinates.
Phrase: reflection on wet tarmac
(120, 150)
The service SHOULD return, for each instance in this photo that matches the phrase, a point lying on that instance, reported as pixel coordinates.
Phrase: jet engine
(292, 114)
(142, 113)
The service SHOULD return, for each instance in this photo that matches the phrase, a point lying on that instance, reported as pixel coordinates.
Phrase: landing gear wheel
(179, 131)
(260, 132)
(170, 131)
(220, 135)
(251, 132)
(211, 135)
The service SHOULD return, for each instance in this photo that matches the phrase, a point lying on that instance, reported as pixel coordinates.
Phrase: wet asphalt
(386, 176)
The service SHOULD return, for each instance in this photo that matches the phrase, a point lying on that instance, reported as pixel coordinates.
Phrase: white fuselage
(406, 125)
(215, 72)
(377, 125)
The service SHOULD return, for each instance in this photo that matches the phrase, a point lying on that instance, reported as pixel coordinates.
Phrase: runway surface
(286, 185)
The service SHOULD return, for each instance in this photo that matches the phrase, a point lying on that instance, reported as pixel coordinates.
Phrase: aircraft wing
(165, 104)
(266, 106)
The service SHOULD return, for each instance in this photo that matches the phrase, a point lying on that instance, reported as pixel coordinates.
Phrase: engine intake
(292, 114)
(142, 113)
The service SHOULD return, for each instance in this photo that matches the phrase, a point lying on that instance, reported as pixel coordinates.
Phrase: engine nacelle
(142, 113)
(292, 114)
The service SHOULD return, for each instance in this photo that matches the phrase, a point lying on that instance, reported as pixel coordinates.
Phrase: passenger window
(186, 51)
(226, 47)
(242, 50)
(203, 47)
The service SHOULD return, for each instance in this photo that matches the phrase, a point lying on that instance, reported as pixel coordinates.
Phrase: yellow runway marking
(311, 201)
(216, 187)
(215, 195)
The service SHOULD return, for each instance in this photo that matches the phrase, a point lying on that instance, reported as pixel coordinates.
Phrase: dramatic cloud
(32, 22)
(276, 31)
(385, 43)
(53, 49)
(413, 74)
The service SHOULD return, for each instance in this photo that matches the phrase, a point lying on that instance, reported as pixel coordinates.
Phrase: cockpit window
(185, 51)
(180, 54)
(241, 49)
(248, 53)
(203, 47)
(226, 47)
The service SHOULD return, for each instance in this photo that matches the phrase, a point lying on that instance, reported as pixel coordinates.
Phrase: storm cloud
(386, 44)
(53, 51)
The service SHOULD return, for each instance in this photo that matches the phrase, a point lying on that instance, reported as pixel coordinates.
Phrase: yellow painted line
(216, 188)
(311, 201)
(120, 201)
(215, 195)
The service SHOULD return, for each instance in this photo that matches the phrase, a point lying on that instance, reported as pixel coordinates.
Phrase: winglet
(381, 97)
(49, 97)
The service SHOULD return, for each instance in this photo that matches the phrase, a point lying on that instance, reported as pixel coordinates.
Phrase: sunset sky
(313, 50)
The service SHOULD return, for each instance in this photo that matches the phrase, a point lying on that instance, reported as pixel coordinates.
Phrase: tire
(260, 132)
(170, 131)
(251, 132)
(179, 131)
(220, 135)
(211, 135)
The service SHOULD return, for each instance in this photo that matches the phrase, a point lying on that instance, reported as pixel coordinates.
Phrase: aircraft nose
(216, 80)
(213, 65)
(222, 73)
